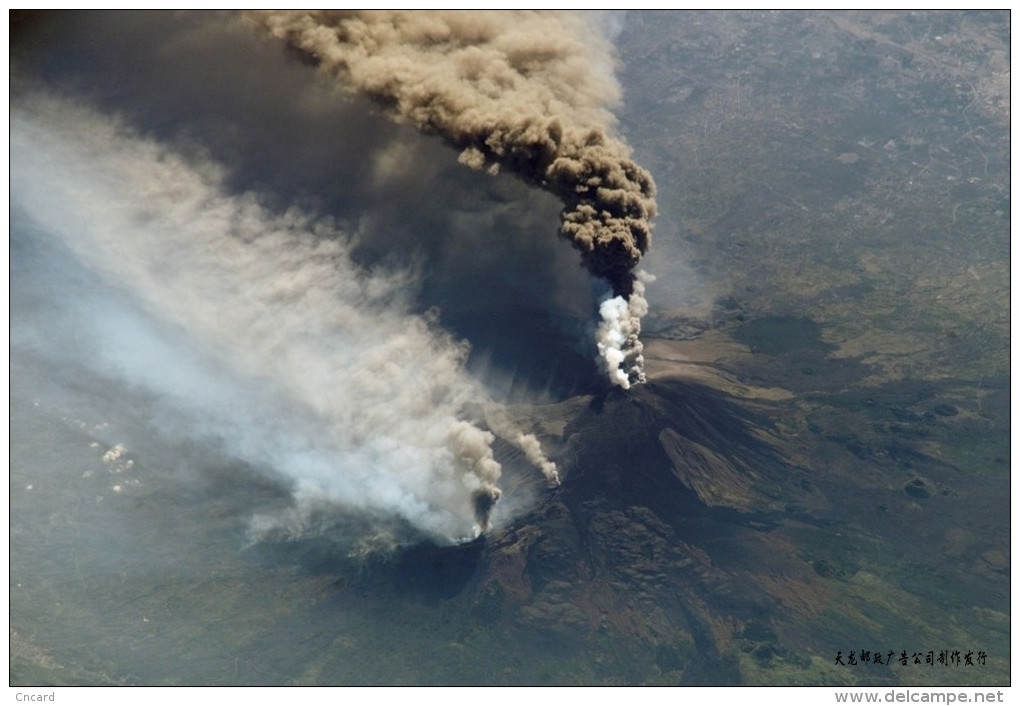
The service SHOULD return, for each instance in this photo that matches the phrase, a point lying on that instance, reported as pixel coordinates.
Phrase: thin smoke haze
(526, 92)
(254, 329)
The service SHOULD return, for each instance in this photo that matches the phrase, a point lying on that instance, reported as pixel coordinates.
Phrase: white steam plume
(530, 92)
(257, 330)
(618, 334)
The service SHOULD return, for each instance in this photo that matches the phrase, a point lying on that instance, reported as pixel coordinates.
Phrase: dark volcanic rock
(677, 448)
(620, 549)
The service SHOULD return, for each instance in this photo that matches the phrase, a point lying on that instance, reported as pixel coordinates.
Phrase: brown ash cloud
(529, 93)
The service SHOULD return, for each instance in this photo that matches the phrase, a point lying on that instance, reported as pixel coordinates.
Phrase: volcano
(639, 562)
(698, 537)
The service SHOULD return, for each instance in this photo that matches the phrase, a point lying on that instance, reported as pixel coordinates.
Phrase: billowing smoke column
(526, 91)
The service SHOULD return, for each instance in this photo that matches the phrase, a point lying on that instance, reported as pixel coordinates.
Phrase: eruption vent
(525, 91)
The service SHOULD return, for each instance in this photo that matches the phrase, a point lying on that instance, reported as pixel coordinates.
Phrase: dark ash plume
(529, 92)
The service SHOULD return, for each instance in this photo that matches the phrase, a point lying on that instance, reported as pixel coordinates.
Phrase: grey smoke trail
(529, 445)
(529, 92)
(532, 449)
(258, 327)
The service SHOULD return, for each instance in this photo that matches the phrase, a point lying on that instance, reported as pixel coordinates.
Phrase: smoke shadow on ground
(424, 570)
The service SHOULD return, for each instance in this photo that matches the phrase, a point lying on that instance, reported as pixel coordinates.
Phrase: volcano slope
(702, 535)
(625, 553)
(633, 571)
